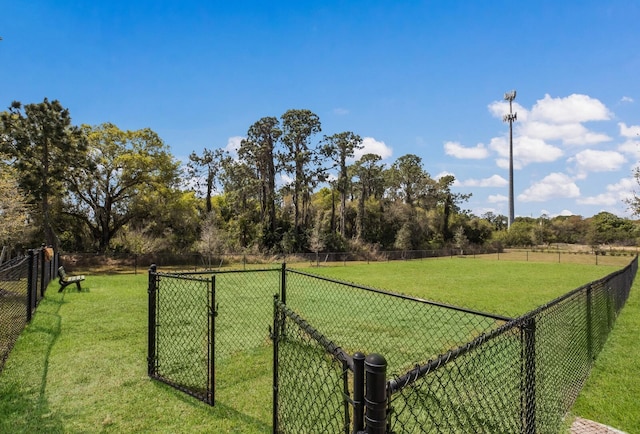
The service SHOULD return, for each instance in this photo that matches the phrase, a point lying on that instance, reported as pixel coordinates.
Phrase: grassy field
(80, 365)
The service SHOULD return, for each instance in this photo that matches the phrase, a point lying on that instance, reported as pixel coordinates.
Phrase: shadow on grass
(23, 402)
(219, 411)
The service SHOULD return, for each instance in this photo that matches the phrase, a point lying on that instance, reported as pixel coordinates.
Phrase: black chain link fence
(198, 322)
(407, 330)
(23, 281)
(445, 368)
(523, 377)
(181, 316)
(312, 378)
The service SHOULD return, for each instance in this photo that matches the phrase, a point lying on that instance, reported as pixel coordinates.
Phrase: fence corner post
(358, 392)
(151, 354)
(375, 367)
(278, 322)
(528, 380)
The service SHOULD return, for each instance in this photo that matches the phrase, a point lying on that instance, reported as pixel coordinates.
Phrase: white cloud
(525, 151)
(553, 186)
(492, 181)
(233, 144)
(629, 132)
(597, 161)
(603, 199)
(616, 194)
(569, 133)
(340, 111)
(456, 150)
(373, 146)
(626, 99)
(631, 147)
(571, 109)
(497, 198)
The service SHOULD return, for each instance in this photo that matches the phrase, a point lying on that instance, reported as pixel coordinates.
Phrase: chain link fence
(23, 281)
(523, 377)
(200, 321)
(429, 367)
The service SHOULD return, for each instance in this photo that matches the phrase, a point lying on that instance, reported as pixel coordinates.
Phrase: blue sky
(420, 77)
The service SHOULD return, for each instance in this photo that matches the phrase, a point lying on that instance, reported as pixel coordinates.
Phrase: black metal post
(283, 283)
(152, 291)
(213, 312)
(589, 324)
(275, 337)
(375, 368)
(358, 392)
(31, 286)
(43, 283)
(528, 380)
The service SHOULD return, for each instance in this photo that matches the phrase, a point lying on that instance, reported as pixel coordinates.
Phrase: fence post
(358, 392)
(41, 265)
(31, 284)
(528, 380)
(213, 313)
(275, 337)
(589, 325)
(283, 283)
(152, 290)
(375, 367)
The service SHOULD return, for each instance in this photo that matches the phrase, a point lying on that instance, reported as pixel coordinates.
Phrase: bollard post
(375, 368)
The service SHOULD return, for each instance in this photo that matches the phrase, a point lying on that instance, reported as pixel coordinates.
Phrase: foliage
(15, 212)
(285, 191)
(126, 167)
(44, 148)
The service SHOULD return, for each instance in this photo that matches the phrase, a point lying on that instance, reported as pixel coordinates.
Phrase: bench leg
(78, 285)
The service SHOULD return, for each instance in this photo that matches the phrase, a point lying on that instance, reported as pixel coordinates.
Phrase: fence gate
(203, 322)
(181, 326)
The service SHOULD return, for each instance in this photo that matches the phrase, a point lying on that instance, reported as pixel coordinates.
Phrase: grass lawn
(80, 365)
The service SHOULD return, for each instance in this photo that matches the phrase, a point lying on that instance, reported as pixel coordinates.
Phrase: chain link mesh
(449, 369)
(523, 377)
(244, 310)
(13, 304)
(20, 294)
(182, 338)
(405, 330)
(312, 379)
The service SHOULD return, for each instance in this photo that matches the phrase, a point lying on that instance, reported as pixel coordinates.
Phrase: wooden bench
(68, 280)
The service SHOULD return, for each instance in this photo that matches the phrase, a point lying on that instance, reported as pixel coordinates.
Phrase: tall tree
(298, 158)
(44, 148)
(369, 183)
(241, 189)
(258, 150)
(447, 202)
(338, 148)
(408, 179)
(128, 167)
(205, 169)
(14, 210)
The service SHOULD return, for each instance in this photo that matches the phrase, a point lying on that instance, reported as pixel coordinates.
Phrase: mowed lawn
(80, 365)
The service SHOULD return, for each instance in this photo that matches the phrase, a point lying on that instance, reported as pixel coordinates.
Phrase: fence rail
(23, 281)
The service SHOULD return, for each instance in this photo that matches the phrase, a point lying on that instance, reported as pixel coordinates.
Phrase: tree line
(287, 189)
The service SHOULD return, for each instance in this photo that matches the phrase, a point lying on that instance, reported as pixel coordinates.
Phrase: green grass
(80, 365)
